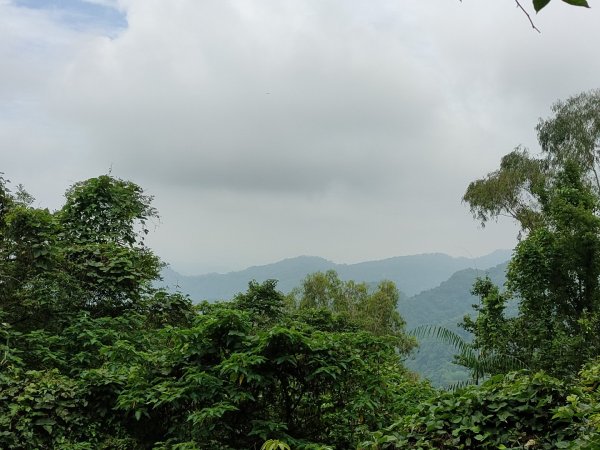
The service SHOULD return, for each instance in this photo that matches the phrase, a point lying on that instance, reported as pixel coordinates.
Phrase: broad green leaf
(539, 4)
(583, 3)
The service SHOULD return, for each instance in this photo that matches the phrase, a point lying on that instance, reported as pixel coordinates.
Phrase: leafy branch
(479, 363)
(538, 5)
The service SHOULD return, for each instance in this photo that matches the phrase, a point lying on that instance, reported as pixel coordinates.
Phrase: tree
(228, 381)
(87, 256)
(514, 190)
(373, 310)
(573, 132)
(106, 210)
(74, 284)
(263, 301)
(555, 270)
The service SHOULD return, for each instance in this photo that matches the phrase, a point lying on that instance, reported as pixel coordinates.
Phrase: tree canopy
(555, 270)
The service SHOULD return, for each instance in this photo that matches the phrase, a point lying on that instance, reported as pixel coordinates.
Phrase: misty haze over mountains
(412, 274)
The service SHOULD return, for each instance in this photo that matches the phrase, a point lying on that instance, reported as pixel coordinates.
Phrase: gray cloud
(271, 129)
(297, 113)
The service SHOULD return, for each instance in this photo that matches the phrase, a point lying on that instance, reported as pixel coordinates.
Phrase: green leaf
(583, 3)
(45, 421)
(503, 415)
(539, 4)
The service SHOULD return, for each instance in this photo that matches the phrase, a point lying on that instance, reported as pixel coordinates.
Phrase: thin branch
(526, 13)
(528, 16)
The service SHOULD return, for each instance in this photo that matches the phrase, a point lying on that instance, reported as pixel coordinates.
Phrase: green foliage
(582, 410)
(517, 188)
(353, 305)
(478, 360)
(106, 209)
(273, 444)
(445, 306)
(69, 297)
(518, 410)
(511, 190)
(490, 324)
(242, 383)
(85, 256)
(555, 273)
(93, 357)
(555, 270)
(264, 303)
(539, 4)
(40, 409)
(573, 132)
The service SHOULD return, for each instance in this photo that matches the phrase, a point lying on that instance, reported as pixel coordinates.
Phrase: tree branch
(528, 16)
(526, 13)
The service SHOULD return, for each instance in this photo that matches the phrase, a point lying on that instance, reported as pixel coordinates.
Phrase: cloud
(270, 129)
(228, 97)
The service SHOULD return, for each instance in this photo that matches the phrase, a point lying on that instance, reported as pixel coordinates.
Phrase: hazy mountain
(216, 286)
(412, 274)
(445, 306)
(449, 301)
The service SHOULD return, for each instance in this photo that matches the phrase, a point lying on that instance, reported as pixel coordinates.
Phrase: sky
(272, 129)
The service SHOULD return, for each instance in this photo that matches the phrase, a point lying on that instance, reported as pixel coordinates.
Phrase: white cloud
(270, 129)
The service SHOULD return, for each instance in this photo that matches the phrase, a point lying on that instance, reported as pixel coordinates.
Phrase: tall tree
(573, 132)
(555, 270)
(515, 189)
(89, 255)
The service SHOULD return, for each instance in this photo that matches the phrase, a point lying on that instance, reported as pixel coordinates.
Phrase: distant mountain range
(412, 274)
(436, 290)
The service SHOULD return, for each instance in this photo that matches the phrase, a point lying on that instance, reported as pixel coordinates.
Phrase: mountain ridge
(411, 273)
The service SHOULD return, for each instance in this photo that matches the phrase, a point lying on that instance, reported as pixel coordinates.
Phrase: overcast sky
(266, 129)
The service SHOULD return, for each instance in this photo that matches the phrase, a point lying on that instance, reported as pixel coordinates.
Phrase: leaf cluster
(514, 411)
(539, 4)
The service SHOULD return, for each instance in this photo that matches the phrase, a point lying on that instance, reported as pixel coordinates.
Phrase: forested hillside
(444, 306)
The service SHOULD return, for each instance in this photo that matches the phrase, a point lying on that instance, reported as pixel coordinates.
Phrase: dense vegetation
(93, 356)
(445, 307)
